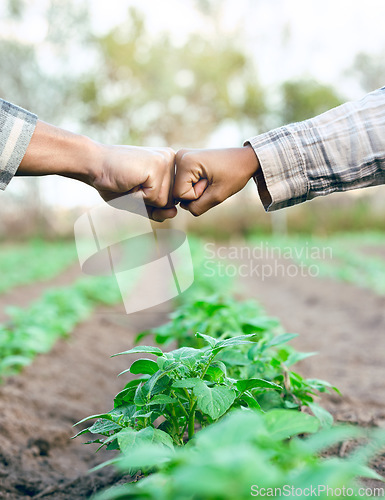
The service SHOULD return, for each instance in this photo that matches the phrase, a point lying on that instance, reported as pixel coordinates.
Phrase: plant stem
(180, 404)
(207, 365)
(191, 421)
(175, 424)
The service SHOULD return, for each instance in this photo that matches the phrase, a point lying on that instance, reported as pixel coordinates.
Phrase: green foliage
(33, 261)
(369, 68)
(304, 99)
(233, 382)
(340, 257)
(183, 387)
(218, 316)
(146, 89)
(190, 386)
(241, 454)
(269, 358)
(35, 330)
(36, 85)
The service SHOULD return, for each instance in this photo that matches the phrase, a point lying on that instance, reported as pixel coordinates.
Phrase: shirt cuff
(16, 128)
(282, 165)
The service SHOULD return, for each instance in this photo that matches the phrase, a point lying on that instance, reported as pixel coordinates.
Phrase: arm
(339, 150)
(112, 170)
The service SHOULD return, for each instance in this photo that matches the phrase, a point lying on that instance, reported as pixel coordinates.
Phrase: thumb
(189, 183)
(209, 199)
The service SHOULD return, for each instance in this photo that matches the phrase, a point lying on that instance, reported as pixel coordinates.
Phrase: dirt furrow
(38, 408)
(24, 295)
(345, 324)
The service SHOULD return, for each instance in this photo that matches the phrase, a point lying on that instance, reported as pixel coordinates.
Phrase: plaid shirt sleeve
(339, 150)
(16, 129)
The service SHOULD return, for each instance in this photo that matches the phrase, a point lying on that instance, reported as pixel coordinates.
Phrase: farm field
(339, 313)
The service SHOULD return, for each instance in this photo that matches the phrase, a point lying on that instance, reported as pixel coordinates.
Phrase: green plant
(191, 387)
(243, 453)
(35, 330)
(215, 315)
(32, 261)
(270, 358)
(341, 257)
(184, 387)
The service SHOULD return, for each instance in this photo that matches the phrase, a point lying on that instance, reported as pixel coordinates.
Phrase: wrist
(85, 160)
(248, 161)
(56, 151)
(260, 179)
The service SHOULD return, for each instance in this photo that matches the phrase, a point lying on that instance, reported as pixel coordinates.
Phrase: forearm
(56, 151)
(339, 150)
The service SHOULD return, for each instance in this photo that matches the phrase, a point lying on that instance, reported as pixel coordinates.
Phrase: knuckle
(170, 151)
(181, 155)
(195, 211)
(162, 164)
(161, 199)
(216, 198)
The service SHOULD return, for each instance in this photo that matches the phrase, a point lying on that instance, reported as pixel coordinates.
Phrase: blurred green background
(184, 74)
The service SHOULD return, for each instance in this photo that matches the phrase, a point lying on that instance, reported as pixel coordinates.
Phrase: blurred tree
(303, 99)
(146, 90)
(370, 70)
(36, 76)
(15, 8)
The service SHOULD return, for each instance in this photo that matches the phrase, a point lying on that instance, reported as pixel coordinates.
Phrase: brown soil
(22, 296)
(38, 408)
(345, 324)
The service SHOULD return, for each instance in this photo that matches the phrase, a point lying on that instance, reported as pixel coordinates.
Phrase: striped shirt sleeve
(339, 150)
(16, 128)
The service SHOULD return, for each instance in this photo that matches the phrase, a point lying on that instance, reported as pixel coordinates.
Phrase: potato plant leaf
(324, 417)
(280, 339)
(251, 402)
(282, 424)
(210, 340)
(213, 401)
(233, 341)
(129, 438)
(246, 385)
(187, 383)
(141, 348)
(144, 366)
(162, 399)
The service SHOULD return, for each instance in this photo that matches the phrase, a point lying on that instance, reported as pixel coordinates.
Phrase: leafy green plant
(184, 387)
(339, 257)
(35, 330)
(189, 388)
(242, 454)
(32, 261)
(216, 316)
(270, 358)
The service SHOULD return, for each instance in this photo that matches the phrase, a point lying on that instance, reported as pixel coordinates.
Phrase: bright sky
(287, 38)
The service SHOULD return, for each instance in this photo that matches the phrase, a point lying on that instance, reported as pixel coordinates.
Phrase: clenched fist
(206, 177)
(112, 170)
(149, 172)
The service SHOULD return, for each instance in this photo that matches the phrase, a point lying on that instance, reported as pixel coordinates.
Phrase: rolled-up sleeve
(339, 150)
(16, 128)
